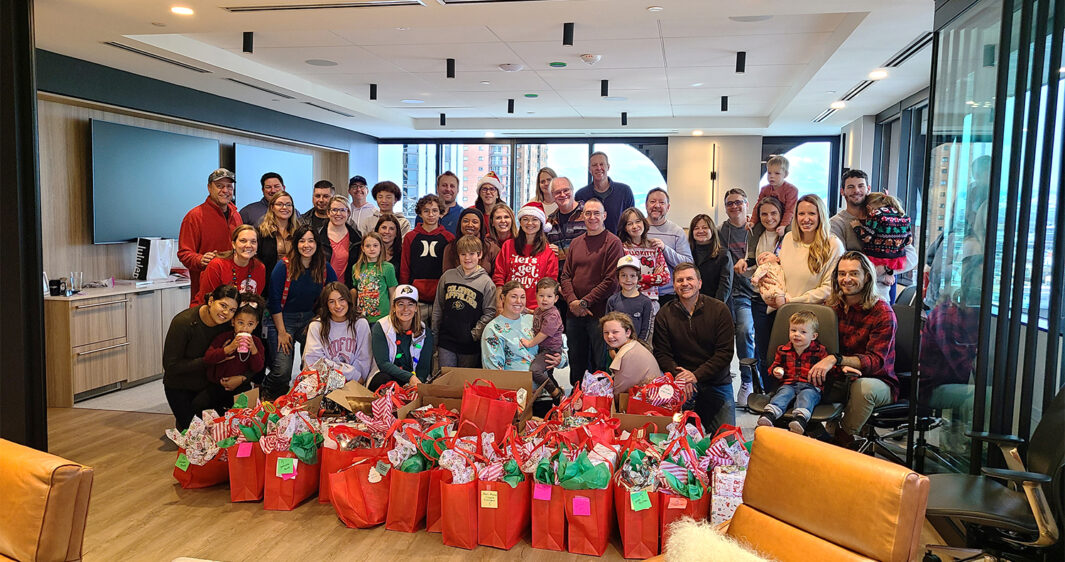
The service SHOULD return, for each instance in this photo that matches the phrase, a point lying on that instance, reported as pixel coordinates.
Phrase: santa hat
(493, 179)
(535, 209)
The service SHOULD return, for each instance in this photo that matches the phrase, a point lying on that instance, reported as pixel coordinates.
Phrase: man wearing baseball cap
(206, 229)
(362, 216)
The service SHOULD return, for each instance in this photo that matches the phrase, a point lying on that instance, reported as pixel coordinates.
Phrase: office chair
(835, 391)
(895, 417)
(1012, 511)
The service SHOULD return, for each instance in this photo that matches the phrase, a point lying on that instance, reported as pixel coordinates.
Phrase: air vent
(908, 51)
(853, 92)
(323, 6)
(156, 57)
(261, 89)
(329, 110)
(824, 115)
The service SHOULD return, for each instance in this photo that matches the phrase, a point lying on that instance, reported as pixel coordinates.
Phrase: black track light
(373, 91)
(724, 103)
(443, 119)
(567, 34)
(450, 68)
(741, 62)
(510, 105)
(624, 118)
(604, 88)
(249, 40)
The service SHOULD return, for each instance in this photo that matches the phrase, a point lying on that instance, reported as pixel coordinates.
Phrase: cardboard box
(449, 403)
(353, 397)
(452, 382)
(253, 397)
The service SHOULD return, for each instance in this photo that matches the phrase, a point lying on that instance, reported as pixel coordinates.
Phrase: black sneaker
(798, 424)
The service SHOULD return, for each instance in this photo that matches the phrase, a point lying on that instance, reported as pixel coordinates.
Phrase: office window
(640, 165)
(412, 167)
(813, 165)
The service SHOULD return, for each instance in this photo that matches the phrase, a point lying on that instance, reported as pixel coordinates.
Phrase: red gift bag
(602, 404)
(548, 517)
(408, 496)
(280, 494)
(332, 460)
(458, 504)
(246, 473)
(432, 506)
(489, 408)
(603, 430)
(360, 503)
(589, 514)
(672, 507)
(503, 514)
(215, 472)
(639, 529)
(637, 406)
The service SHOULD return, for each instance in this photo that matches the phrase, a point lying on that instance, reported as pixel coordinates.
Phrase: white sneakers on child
(743, 393)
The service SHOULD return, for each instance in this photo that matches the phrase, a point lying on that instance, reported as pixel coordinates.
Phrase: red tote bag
(548, 517)
(280, 494)
(639, 407)
(503, 514)
(332, 460)
(484, 405)
(215, 472)
(672, 508)
(432, 506)
(408, 498)
(639, 529)
(458, 520)
(359, 503)
(247, 471)
(588, 515)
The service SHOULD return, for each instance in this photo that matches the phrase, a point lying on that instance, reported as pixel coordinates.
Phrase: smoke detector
(591, 59)
(510, 67)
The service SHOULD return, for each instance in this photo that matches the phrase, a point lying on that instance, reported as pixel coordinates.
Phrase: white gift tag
(665, 392)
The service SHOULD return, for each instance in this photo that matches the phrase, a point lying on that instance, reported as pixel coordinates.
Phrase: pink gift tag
(542, 492)
(677, 503)
(289, 476)
(244, 450)
(582, 505)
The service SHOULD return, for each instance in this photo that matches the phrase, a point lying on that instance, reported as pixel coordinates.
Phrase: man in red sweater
(588, 279)
(206, 229)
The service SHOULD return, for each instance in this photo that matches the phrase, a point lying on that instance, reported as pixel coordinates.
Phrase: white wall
(858, 153)
(738, 164)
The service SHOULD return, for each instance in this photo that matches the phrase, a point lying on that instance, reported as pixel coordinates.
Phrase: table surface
(120, 289)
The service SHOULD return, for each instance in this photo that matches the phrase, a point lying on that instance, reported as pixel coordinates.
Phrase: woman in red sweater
(527, 258)
(238, 267)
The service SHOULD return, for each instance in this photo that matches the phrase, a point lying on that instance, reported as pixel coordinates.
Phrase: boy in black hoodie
(422, 262)
(467, 294)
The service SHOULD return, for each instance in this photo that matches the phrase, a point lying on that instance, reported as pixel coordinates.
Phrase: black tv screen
(144, 181)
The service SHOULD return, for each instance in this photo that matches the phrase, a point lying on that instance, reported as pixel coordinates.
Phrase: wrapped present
(597, 392)
(318, 380)
(198, 441)
(722, 508)
(663, 396)
(728, 481)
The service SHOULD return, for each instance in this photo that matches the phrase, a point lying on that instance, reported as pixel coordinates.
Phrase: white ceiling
(670, 67)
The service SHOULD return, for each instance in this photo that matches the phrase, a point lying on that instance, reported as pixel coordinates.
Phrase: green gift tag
(182, 462)
(382, 467)
(241, 401)
(285, 466)
(640, 501)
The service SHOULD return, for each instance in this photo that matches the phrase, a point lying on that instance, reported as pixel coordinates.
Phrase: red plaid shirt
(869, 335)
(797, 366)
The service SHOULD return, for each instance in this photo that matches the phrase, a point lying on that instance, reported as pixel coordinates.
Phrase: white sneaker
(743, 393)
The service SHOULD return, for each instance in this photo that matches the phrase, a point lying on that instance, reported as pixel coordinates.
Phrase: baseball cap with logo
(406, 292)
(629, 261)
(221, 173)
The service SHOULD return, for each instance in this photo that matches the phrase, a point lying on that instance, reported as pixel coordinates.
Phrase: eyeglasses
(283, 205)
(593, 213)
(736, 203)
(338, 211)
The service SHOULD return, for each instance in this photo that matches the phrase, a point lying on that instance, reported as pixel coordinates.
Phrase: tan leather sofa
(43, 503)
(808, 500)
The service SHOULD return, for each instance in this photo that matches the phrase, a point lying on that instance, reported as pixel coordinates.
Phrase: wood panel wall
(66, 203)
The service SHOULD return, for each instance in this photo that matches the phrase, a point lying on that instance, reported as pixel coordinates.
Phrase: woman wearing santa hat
(527, 258)
(489, 192)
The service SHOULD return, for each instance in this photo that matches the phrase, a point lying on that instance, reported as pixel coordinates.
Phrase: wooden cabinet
(107, 337)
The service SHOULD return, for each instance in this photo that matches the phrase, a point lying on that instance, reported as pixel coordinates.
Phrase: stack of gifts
(200, 462)
(729, 458)
(663, 396)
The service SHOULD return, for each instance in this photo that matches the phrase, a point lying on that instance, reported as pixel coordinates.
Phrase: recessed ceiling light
(532, 95)
(529, 112)
(830, 91)
(697, 133)
(878, 74)
(489, 135)
(486, 83)
(412, 101)
(837, 105)
(510, 67)
(615, 98)
(697, 85)
(158, 24)
(403, 28)
(320, 62)
(182, 10)
(749, 19)
(654, 8)
(557, 64)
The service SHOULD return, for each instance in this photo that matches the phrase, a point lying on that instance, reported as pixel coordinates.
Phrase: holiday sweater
(525, 269)
(653, 270)
(371, 285)
(885, 235)
(205, 229)
(348, 349)
(422, 262)
(239, 364)
(224, 271)
(469, 303)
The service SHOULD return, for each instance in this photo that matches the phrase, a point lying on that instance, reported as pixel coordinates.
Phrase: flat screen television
(143, 181)
(296, 170)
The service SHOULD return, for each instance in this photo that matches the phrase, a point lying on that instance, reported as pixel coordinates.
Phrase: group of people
(486, 286)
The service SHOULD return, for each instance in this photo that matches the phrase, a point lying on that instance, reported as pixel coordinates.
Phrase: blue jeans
(715, 405)
(448, 358)
(279, 379)
(586, 346)
(806, 397)
(740, 306)
(763, 328)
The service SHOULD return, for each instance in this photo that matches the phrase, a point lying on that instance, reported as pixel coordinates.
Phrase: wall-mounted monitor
(143, 181)
(297, 171)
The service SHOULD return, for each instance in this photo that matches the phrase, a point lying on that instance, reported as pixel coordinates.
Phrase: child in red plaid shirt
(792, 366)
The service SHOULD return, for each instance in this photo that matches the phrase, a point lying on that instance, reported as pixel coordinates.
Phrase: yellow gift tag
(489, 499)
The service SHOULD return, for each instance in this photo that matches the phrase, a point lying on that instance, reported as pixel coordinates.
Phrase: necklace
(234, 268)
